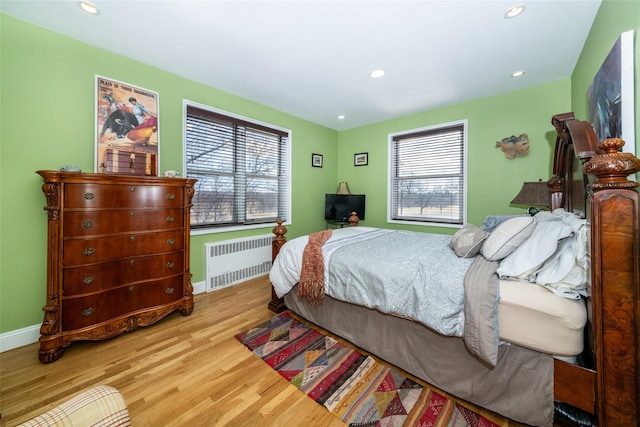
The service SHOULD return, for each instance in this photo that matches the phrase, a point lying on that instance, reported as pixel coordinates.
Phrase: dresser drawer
(117, 196)
(87, 223)
(81, 251)
(79, 312)
(107, 275)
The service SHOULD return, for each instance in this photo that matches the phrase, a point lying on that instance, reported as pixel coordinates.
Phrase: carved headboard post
(615, 284)
(277, 304)
(559, 158)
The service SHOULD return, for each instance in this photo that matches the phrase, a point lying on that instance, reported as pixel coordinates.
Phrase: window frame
(390, 174)
(210, 229)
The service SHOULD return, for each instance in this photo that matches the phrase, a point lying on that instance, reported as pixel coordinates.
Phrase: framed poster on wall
(611, 95)
(126, 131)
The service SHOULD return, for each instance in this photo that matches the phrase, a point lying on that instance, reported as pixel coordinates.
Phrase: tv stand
(351, 222)
(337, 224)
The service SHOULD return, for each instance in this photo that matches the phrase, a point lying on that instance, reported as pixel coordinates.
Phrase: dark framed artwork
(126, 128)
(611, 94)
(316, 160)
(361, 159)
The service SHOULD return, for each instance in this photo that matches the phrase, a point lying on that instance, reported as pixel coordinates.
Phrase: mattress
(534, 317)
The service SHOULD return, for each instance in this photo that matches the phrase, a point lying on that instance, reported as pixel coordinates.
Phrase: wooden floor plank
(181, 371)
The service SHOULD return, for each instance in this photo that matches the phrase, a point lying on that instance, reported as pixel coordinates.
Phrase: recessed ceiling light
(514, 11)
(89, 7)
(342, 117)
(376, 74)
(518, 73)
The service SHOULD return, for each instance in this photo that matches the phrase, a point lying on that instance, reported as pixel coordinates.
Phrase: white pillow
(558, 265)
(574, 283)
(507, 237)
(541, 245)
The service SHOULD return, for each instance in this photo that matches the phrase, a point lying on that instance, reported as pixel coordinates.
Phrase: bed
(534, 352)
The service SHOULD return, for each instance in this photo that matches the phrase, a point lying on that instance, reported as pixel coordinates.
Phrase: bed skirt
(520, 387)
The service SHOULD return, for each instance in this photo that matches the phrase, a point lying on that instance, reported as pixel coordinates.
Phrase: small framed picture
(316, 160)
(361, 159)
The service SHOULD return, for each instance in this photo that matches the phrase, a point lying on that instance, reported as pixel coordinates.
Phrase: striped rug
(352, 386)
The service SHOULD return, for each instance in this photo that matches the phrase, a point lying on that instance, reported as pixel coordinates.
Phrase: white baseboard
(19, 337)
(199, 287)
(30, 334)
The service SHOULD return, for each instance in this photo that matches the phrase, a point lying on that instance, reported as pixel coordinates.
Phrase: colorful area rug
(352, 386)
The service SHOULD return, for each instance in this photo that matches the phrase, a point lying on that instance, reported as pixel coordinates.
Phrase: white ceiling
(312, 58)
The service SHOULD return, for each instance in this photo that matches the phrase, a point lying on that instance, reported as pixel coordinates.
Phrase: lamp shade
(343, 188)
(533, 194)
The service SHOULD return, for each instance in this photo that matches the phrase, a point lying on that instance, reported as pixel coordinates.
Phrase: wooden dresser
(117, 258)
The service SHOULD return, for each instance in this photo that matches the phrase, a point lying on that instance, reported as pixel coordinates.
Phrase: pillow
(492, 221)
(539, 247)
(558, 265)
(507, 237)
(467, 241)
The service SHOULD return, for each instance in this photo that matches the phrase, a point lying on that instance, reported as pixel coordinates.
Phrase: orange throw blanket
(311, 285)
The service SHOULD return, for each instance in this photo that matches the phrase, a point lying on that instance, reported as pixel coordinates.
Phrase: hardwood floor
(181, 371)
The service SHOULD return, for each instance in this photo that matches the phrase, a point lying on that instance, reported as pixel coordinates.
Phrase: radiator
(234, 261)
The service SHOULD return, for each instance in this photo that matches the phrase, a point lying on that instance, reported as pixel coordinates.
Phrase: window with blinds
(241, 168)
(428, 177)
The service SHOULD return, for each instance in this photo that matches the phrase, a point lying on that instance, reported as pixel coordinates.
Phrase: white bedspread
(285, 272)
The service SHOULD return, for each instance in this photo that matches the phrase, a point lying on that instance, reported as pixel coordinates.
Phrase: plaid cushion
(99, 406)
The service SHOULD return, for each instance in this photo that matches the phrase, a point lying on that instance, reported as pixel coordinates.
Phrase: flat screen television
(338, 207)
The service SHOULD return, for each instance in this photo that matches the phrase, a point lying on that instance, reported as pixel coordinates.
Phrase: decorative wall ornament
(514, 146)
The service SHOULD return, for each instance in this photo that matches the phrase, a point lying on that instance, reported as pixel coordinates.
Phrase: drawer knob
(132, 262)
(88, 196)
(87, 224)
(169, 219)
(87, 312)
(132, 237)
(169, 291)
(132, 188)
(132, 288)
(170, 242)
(132, 213)
(171, 196)
(88, 251)
(171, 264)
(87, 280)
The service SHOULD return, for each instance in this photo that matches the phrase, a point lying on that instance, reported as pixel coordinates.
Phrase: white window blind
(428, 175)
(241, 168)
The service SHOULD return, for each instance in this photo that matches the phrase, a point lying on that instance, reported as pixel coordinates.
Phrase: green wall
(46, 121)
(614, 18)
(493, 180)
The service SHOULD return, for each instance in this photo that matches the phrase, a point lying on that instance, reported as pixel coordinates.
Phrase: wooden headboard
(591, 179)
(576, 143)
